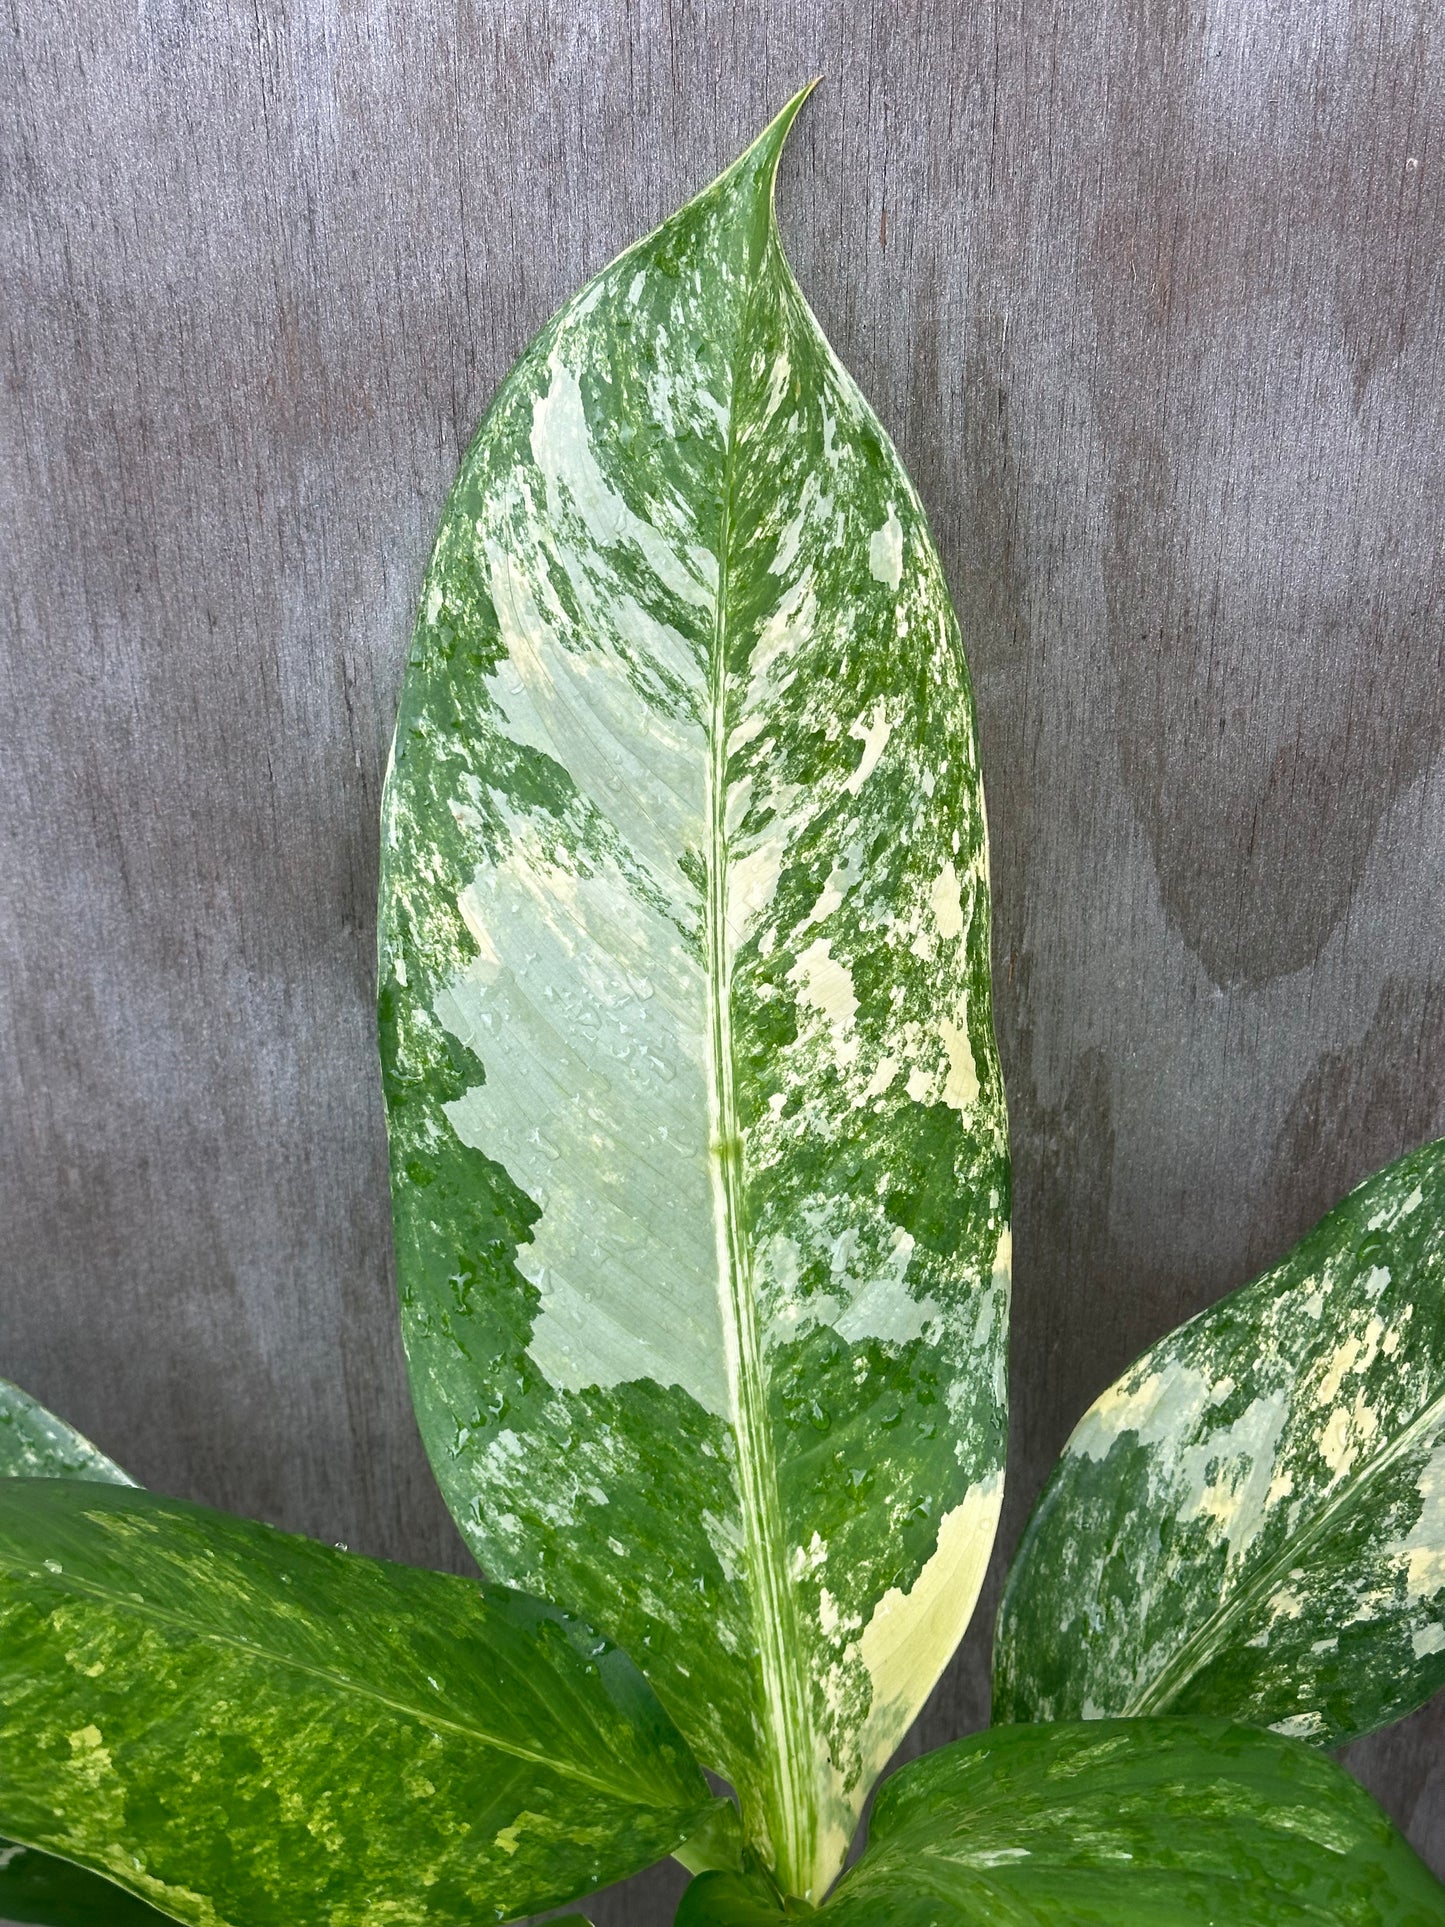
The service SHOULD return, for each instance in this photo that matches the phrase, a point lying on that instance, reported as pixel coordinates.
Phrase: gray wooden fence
(1149, 293)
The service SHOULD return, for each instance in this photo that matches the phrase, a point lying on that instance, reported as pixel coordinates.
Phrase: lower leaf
(37, 1888)
(40, 1890)
(749, 1898)
(1165, 1822)
(249, 1729)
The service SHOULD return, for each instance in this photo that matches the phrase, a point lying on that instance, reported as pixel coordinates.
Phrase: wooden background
(1149, 293)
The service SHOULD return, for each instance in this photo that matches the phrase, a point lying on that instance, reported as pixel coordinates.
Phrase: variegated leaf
(699, 1155)
(1252, 1520)
(38, 1888)
(248, 1729)
(35, 1444)
(1157, 1823)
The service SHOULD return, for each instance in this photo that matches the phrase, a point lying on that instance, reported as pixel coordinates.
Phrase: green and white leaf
(1252, 1520)
(36, 1887)
(1157, 1823)
(250, 1729)
(35, 1444)
(698, 1140)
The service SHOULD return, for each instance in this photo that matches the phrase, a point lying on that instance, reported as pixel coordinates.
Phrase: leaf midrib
(1210, 1638)
(127, 1606)
(786, 1710)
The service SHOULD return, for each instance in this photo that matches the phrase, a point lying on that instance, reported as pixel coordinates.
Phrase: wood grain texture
(1151, 297)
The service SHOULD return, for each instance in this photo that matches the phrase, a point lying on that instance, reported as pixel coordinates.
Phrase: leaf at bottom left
(246, 1728)
(36, 1888)
(41, 1891)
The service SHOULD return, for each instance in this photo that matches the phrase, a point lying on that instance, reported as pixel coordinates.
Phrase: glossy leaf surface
(1157, 1823)
(36, 1887)
(35, 1444)
(745, 1899)
(249, 1728)
(1251, 1522)
(41, 1890)
(1160, 1823)
(698, 1141)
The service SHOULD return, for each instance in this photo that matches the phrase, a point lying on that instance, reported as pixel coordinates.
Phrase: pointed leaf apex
(782, 122)
(685, 671)
(760, 160)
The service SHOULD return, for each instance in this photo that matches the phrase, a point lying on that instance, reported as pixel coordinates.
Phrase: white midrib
(792, 1748)
(1156, 1695)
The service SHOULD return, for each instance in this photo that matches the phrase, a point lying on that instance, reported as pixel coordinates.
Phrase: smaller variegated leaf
(250, 1729)
(1251, 1521)
(35, 1444)
(718, 1842)
(1157, 1823)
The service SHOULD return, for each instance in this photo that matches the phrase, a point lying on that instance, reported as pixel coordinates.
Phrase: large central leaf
(699, 1151)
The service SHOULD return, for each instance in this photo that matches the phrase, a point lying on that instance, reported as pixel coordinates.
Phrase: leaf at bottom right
(1168, 1822)
(1251, 1521)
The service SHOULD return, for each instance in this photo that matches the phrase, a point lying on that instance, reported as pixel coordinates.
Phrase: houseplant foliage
(701, 1199)
(1251, 1520)
(235, 1723)
(699, 1150)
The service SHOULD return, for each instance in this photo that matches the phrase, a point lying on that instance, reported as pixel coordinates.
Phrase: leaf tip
(767, 148)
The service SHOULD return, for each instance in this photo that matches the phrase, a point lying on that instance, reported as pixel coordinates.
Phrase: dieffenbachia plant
(701, 1198)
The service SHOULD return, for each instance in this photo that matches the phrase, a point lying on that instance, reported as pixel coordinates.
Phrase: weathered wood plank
(1151, 297)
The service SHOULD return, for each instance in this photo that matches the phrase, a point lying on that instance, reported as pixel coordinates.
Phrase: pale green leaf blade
(248, 1728)
(35, 1444)
(699, 1153)
(1251, 1521)
(1157, 1823)
(717, 1843)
